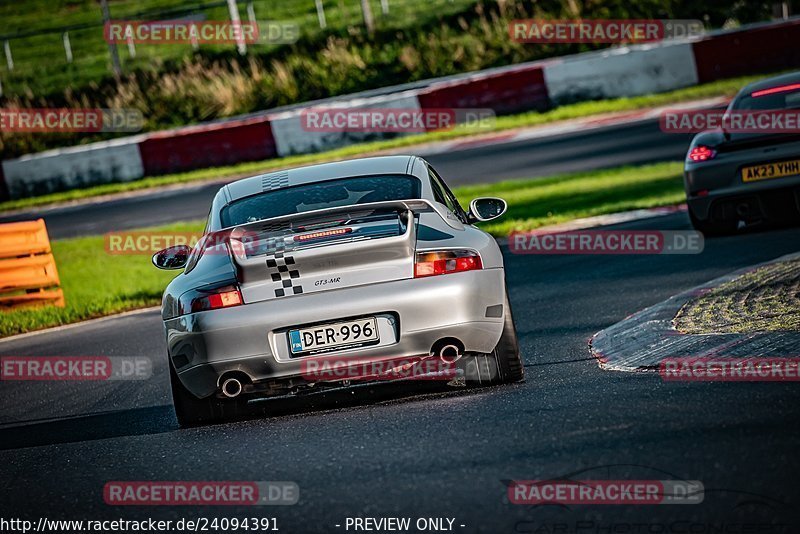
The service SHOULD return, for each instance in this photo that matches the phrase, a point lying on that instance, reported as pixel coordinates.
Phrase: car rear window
(780, 100)
(320, 195)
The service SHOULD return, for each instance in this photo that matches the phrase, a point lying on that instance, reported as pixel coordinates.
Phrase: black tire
(191, 411)
(709, 228)
(501, 366)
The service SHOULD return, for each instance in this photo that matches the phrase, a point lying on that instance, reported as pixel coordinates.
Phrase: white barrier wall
(292, 138)
(70, 168)
(625, 71)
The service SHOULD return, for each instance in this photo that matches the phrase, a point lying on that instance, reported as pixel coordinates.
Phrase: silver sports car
(741, 179)
(319, 276)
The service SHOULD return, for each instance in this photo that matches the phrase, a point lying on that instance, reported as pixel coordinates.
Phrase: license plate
(770, 170)
(332, 335)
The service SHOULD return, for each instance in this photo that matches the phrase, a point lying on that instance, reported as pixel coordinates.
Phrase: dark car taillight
(701, 153)
(445, 262)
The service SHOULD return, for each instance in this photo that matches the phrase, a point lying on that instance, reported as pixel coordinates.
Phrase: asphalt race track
(378, 452)
(611, 146)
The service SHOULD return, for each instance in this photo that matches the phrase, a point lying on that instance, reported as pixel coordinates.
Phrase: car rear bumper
(771, 203)
(252, 338)
(716, 191)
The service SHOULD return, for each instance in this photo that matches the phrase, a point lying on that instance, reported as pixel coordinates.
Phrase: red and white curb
(643, 340)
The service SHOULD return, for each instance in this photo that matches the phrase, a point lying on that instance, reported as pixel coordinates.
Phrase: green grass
(40, 63)
(538, 202)
(97, 284)
(573, 111)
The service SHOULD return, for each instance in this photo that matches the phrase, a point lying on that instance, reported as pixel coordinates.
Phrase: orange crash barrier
(28, 275)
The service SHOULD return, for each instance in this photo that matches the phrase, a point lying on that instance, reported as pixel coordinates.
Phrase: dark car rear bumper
(777, 202)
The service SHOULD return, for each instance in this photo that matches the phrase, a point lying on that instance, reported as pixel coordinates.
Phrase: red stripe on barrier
(510, 91)
(209, 145)
(765, 49)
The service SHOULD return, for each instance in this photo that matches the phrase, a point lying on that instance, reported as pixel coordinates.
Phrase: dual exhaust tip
(232, 387)
(448, 353)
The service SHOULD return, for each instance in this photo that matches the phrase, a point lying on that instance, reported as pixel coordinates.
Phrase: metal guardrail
(28, 275)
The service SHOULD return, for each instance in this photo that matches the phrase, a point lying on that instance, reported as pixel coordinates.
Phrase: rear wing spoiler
(350, 211)
(295, 246)
(231, 237)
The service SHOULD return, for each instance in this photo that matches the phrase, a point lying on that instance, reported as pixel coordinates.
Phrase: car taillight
(446, 262)
(221, 298)
(701, 153)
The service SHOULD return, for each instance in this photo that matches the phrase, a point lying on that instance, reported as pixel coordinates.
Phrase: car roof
(317, 173)
(769, 83)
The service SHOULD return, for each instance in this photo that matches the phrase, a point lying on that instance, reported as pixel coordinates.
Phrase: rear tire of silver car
(192, 411)
(501, 366)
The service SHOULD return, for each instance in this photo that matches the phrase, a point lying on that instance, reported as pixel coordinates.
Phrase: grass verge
(97, 284)
(572, 111)
(534, 203)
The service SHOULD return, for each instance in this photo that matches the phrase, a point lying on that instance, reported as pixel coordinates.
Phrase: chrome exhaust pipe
(742, 209)
(449, 354)
(231, 387)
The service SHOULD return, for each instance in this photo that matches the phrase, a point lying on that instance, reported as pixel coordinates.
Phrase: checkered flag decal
(281, 271)
(276, 180)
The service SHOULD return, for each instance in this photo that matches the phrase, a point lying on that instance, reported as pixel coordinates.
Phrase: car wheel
(501, 366)
(709, 228)
(191, 411)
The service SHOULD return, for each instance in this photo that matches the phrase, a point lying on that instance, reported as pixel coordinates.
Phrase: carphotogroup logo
(388, 120)
(608, 492)
(774, 121)
(607, 242)
(50, 120)
(74, 368)
(544, 31)
(200, 493)
(713, 369)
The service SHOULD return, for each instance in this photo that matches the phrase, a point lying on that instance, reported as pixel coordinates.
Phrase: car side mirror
(484, 209)
(172, 257)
